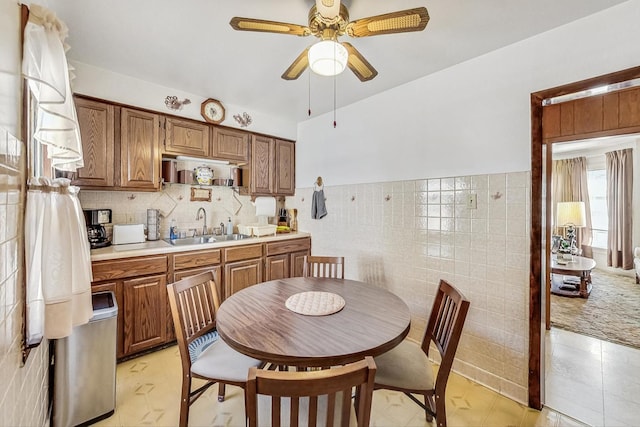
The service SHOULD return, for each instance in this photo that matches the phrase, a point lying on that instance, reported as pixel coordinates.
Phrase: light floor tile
(591, 380)
(148, 394)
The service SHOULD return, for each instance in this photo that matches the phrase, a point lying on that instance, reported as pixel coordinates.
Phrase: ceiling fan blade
(360, 66)
(250, 24)
(329, 9)
(298, 66)
(389, 23)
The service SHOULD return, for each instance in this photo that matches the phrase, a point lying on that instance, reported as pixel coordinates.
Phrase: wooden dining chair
(407, 367)
(194, 304)
(324, 266)
(322, 398)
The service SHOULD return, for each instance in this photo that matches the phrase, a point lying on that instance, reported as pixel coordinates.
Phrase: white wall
(469, 119)
(467, 124)
(23, 389)
(105, 84)
(10, 66)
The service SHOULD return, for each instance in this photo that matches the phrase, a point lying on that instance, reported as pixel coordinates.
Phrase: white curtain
(45, 67)
(58, 260)
(57, 249)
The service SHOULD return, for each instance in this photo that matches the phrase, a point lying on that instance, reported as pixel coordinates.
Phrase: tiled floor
(148, 394)
(594, 381)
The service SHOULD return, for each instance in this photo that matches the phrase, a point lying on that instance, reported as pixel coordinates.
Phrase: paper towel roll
(265, 206)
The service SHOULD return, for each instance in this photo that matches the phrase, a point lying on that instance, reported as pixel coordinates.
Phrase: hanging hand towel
(318, 208)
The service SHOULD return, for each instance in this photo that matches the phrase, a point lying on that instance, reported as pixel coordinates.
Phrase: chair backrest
(194, 303)
(444, 328)
(324, 266)
(309, 398)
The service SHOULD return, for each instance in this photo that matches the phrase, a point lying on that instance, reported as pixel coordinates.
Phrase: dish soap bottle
(173, 229)
(229, 227)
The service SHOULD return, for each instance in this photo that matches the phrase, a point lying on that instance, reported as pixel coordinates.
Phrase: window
(597, 182)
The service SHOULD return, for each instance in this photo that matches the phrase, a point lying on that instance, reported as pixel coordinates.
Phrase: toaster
(127, 233)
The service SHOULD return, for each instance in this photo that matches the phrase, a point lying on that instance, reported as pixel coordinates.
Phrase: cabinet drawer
(196, 259)
(128, 267)
(239, 253)
(293, 245)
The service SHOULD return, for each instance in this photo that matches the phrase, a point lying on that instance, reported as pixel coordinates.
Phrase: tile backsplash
(405, 236)
(23, 394)
(131, 207)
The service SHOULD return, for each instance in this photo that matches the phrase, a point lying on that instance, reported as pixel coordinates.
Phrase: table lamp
(571, 215)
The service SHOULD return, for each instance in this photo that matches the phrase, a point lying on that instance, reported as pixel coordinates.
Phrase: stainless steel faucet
(204, 216)
(222, 228)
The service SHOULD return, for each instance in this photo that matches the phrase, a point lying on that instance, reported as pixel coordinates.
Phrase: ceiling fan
(328, 20)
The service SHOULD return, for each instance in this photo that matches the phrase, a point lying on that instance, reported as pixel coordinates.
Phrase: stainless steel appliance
(95, 220)
(85, 367)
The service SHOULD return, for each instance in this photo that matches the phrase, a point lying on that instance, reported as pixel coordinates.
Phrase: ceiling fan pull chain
(309, 94)
(334, 101)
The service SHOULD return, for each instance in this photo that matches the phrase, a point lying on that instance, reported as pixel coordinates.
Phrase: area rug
(611, 313)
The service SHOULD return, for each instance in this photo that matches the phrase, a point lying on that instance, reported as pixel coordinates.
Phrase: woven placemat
(314, 303)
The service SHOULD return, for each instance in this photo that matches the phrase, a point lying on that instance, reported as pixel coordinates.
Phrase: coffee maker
(95, 218)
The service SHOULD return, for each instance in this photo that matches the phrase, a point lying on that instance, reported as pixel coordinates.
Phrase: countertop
(162, 247)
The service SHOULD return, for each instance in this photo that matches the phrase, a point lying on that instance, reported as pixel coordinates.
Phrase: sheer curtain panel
(45, 67)
(58, 260)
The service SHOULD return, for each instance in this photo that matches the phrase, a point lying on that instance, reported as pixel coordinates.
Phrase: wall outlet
(472, 201)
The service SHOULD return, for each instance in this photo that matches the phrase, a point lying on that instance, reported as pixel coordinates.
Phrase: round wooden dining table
(256, 322)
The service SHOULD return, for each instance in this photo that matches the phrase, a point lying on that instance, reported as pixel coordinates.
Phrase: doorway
(541, 218)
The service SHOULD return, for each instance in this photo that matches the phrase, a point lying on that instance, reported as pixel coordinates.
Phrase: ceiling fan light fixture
(328, 58)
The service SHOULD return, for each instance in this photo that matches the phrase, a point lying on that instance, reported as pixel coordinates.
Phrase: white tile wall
(406, 236)
(23, 390)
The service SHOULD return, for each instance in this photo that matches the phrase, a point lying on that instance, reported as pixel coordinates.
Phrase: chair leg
(428, 408)
(221, 388)
(185, 401)
(441, 412)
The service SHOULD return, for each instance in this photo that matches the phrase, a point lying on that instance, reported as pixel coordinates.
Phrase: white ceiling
(189, 46)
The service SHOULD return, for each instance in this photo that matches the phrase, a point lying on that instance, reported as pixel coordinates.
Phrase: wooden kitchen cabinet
(96, 121)
(284, 168)
(139, 149)
(262, 165)
(140, 287)
(276, 267)
(186, 137)
(230, 144)
(192, 263)
(272, 170)
(145, 313)
(242, 268)
(285, 258)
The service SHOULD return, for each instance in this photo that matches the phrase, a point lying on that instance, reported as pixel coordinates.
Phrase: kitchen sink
(192, 240)
(227, 237)
(206, 239)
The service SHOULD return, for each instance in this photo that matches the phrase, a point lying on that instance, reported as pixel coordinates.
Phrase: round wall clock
(212, 111)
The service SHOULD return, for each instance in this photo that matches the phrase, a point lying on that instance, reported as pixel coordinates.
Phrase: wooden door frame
(536, 274)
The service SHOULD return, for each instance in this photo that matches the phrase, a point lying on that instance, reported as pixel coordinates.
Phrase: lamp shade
(571, 213)
(327, 58)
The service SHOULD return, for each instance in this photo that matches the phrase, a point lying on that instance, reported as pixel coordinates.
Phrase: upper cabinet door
(139, 149)
(261, 165)
(96, 130)
(229, 144)
(285, 182)
(185, 137)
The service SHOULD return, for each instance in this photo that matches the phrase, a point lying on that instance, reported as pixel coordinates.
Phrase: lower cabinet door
(240, 275)
(297, 262)
(276, 267)
(145, 313)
